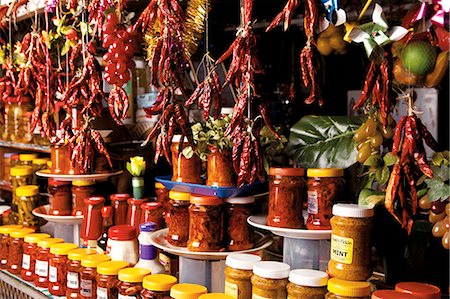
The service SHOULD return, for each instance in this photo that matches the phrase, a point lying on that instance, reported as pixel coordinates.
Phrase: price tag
(26, 262)
(72, 280)
(41, 268)
(53, 274)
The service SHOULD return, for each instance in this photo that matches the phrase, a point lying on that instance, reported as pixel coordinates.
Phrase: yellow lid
(78, 253)
(27, 191)
(46, 243)
(82, 183)
(176, 195)
(215, 296)
(27, 157)
(187, 291)
(133, 274)
(111, 267)
(348, 288)
(92, 260)
(158, 185)
(21, 233)
(21, 170)
(325, 172)
(7, 229)
(34, 238)
(159, 282)
(62, 248)
(49, 164)
(40, 161)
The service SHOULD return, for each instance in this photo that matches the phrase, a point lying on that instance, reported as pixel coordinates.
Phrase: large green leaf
(324, 141)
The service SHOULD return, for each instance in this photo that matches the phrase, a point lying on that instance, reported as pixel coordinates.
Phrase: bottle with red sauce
(152, 212)
(30, 254)
(61, 197)
(5, 231)
(91, 227)
(42, 258)
(57, 268)
(134, 211)
(81, 189)
(15, 253)
(120, 207)
(107, 215)
(73, 270)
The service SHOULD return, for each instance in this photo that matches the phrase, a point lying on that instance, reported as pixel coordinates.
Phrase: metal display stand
(12, 286)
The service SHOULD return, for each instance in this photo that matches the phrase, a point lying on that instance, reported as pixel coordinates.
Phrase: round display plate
(42, 212)
(74, 177)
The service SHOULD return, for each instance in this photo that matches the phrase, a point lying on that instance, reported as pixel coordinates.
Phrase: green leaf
(65, 49)
(442, 172)
(382, 175)
(188, 152)
(389, 159)
(437, 193)
(434, 182)
(421, 193)
(324, 141)
(374, 161)
(440, 158)
(128, 166)
(369, 197)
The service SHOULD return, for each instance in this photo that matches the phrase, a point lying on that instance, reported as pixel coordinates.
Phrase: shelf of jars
(5, 186)
(12, 286)
(25, 146)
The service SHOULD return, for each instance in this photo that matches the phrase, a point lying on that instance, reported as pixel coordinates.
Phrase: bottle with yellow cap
(5, 231)
(157, 286)
(20, 176)
(27, 199)
(42, 258)
(15, 253)
(216, 296)
(107, 279)
(57, 270)
(177, 218)
(73, 269)
(81, 189)
(342, 289)
(29, 255)
(38, 165)
(88, 273)
(27, 159)
(325, 187)
(130, 282)
(187, 291)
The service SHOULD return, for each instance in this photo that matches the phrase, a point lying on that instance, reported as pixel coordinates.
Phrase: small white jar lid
(177, 139)
(272, 270)
(308, 278)
(226, 110)
(240, 200)
(242, 261)
(352, 210)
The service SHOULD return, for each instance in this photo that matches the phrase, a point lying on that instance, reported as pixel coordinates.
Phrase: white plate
(42, 212)
(158, 239)
(74, 177)
(259, 221)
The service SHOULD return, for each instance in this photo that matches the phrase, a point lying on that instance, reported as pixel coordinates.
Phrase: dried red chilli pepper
(285, 15)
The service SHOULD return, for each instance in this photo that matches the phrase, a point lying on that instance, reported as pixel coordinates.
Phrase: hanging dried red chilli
(285, 15)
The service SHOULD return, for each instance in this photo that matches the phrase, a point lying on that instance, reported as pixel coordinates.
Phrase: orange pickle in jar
(57, 268)
(73, 270)
(152, 212)
(30, 254)
(107, 279)
(81, 189)
(130, 282)
(88, 274)
(61, 198)
(5, 231)
(157, 286)
(15, 251)
(42, 261)
(177, 218)
(220, 172)
(343, 289)
(239, 235)
(186, 170)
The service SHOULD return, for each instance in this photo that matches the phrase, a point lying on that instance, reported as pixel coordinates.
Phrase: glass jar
(5, 231)
(61, 198)
(123, 244)
(177, 218)
(59, 154)
(80, 191)
(286, 196)
(184, 170)
(205, 223)
(130, 282)
(28, 136)
(157, 286)
(27, 199)
(20, 176)
(350, 255)
(88, 274)
(73, 270)
(42, 258)
(307, 284)
(15, 250)
(219, 169)
(7, 166)
(162, 194)
(390, 294)
(120, 207)
(134, 211)
(107, 279)
(27, 159)
(30, 254)
(325, 187)
(20, 111)
(269, 280)
(187, 290)
(215, 296)
(8, 125)
(238, 274)
(91, 227)
(419, 290)
(239, 234)
(152, 212)
(38, 165)
(342, 289)
(57, 268)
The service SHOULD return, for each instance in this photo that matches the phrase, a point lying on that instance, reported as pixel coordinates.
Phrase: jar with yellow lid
(27, 159)
(29, 255)
(157, 286)
(186, 170)
(343, 289)
(38, 165)
(307, 284)
(73, 269)
(350, 255)
(57, 268)
(5, 231)
(187, 291)
(15, 251)
(20, 176)
(177, 218)
(269, 280)
(130, 282)
(216, 296)
(81, 189)
(27, 199)
(325, 187)
(238, 274)
(107, 279)
(162, 194)
(88, 273)
(42, 260)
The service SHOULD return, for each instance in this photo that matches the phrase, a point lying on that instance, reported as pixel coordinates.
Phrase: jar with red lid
(88, 274)
(419, 290)
(162, 194)
(91, 227)
(120, 207)
(391, 294)
(130, 282)
(152, 212)
(61, 198)
(5, 231)
(239, 235)
(157, 286)
(286, 196)
(177, 218)
(73, 270)
(107, 279)
(186, 170)
(59, 155)
(134, 211)
(81, 189)
(15, 253)
(29, 255)
(42, 259)
(325, 187)
(123, 244)
(57, 268)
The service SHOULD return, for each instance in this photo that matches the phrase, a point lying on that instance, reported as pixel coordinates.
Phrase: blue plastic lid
(147, 227)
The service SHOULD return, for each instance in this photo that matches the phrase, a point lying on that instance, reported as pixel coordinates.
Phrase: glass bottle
(134, 211)
(269, 280)
(91, 227)
(15, 253)
(42, 260)
(29, 255)
(5, 238)
(73, 270)
(27, 199)
(238, 274)
(81, 189)
(187, 290)
(148, 255)
(177, 218)
(107, 215)
(107, 279)
(61, 197)
(342, 289)
(239, 235)
(120, 207)
(130, 282)
(157, 286)
(57, 268)
(88, 274)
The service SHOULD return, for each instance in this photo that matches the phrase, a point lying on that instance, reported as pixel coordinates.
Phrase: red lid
(122, 232)
(390, 294)
(119, 196)
(419, 290)
(286, 171)
(15, 157)
(94, 200)
(206, 200)
(151, 205)
(134, 201)
(107, 212)
(54, 182)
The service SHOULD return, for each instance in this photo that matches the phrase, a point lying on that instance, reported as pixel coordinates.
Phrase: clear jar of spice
(120, 207)
(29, 255)
(286, 197)
(88, 275)
(343, 289)
(269, 280)
(307, 284)
(27, 159)
(57, 268)
(61, 197)
(157, 286)
(122, 244)
(177, 218)
(5, 231)
(134, 211)
(419, 290)
(238, 274)
(186, 170)
(15, 250)
(130, 282)
(81, 189)
(350, 255)
(187, 290)
(152, 212)
(42, 259)
(205, 223)
(325, 187)
(239, 235)
(107, 279)
(73, 270)
(92, 225)
(27, 199)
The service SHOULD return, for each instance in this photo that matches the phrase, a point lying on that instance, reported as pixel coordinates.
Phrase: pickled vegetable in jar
(177, 218)
(162, 194)
(286, 197)
(5, 231)
(27, 199)
(81, 189)
(134, 211)
(215, 296)
(238, 274)
(120, 207)
(27, 159)
(57, 268)
(187, 290)
(152, 212)
(239, 234)
(61, 198)
(219, 170)
(269, 280)
(307, 284)
(73, 270)
(419, 289)
(350, 256)
(42, 260)
(157, 286)
(59, 154)
(325, 187)
(107, 279)
(15, 250)
(20, 176)
(186, 170)
(30, 254)
(342, 289)
(390, 294)
(88, 274)
(130, 282)
(205, 223)
(92, 225)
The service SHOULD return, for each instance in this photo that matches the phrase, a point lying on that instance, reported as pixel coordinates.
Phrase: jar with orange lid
(57, 268)
(205, 223)
(88, 274)
(27, 159)
(120, 207)
(162, 194)
(107, 279)
(92, 225)
(269, 280)
(27, 199)
(219, 167)
(391, 294)
(5, 231)
(30, 254)
(130, 282)
(59, 154)
(239, 235)
(152, 212)
(216, 296)
(40, 164)
(15, 253)
(73, 270)
(419, 290)
(134, 211)
(157, 286)
(343, 289)
(187, 290)
(61, 197)
(286, 197)
(177, 218)
(81, 189)
(42, 260)
(186, 170)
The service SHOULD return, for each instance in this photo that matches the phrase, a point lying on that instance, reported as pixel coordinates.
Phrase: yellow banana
(434, 78)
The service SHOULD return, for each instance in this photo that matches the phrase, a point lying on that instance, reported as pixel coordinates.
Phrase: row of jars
(17, 120)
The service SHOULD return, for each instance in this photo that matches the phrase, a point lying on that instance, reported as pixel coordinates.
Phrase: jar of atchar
(59, 154)
(219, 171)
(30, 254)
(343, 289)
(177, 218)
(134, 211)
(107, 279)
(42, 261)
(61, 197)
(57, 268)
(92, 225)
(216, 296)
(130, 282)
(419, 290)
(88, 274)
(81, 189)
(307, 284)
(73, 270)
(27, 159)
(238, 274)
(239, 235)
(152, 212)
(269, 280)
(120, 207)
(15, 253)
(27, 199)
(187, 290)
(157, 286)
(185, 169)
(122, 244)
(5, 231)
(162, 194)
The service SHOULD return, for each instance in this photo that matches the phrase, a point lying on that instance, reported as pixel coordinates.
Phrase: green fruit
(419, 58)
(364, 153)
(377, 139)
(370, 127)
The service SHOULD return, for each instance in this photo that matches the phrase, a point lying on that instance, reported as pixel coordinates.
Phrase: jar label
(86, 288)
(254, 296)
(102, 293)
(341, 249)
(52, 274)
(72, 280)
(313, 206)
(26, 261)
(231, 289)
(126, 297)
(41, 268)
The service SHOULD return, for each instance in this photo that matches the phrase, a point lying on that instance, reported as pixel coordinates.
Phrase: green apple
(419, 57)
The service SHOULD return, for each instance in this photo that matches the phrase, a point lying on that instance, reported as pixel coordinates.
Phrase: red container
(42, 258)
(30, 254)
(120, 207)
(92, 226)
(152, 212)
(61, 200)
(419, 290)
(57, 270)
(134, 211)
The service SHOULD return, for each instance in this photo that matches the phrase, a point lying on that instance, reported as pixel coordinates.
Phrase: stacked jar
(59, 154)
(152, 212)
(187, 290)
(239, 235)
(27, 199)
(91, 227)
(123, 244)
(27, 159)
(73, 270)
(186, 170)
(81, 190)
(162, 194)
(157, 286)
(5, 231)
(177, 218)
(42, 261)
(20, 176)
(30, 255)
(107, 279)
(238, 274)
(88, 274)
(307, 284)
(269, 280)
(219, 168)
(120, 207)
(61, 198)
(134, 211)
(15, 250)
(343, 289)
(130, 282)
(57, 268)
